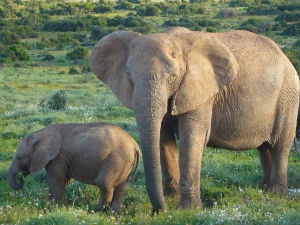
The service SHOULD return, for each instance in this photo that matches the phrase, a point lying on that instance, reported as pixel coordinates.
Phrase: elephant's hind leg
(169, 161)
(118, 196)
(282, 139)
(106, 198)
(266, 164)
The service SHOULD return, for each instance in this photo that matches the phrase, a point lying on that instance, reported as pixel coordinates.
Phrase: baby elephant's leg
(57, 181)
(106, 198)
(57, 187)
(118, 196)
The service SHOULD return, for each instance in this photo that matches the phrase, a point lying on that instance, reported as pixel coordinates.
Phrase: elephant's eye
(129, 75)
(171, 77)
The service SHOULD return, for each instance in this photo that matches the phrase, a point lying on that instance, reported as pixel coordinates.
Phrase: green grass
(228, 179)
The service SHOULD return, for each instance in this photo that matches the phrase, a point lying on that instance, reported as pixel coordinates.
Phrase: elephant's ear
(46, 145)
(108, 61)
(210, 68)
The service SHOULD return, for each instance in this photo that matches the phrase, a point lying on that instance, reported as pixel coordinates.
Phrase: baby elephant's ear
(45, 145)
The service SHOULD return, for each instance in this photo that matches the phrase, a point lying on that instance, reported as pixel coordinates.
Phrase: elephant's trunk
(11, 177)
(149, 112)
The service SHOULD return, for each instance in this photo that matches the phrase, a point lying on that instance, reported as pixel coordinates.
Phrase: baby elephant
(94, 153)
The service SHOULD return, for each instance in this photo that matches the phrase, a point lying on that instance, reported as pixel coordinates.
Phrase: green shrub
(65, 25)
(255, 25)
(99, 32)
(279, 26)
(200, 1)
(8, 37)
(49, 57)
(85, 68)
(123, 4)
(262, 9)
(146, 29)
(226, 13)
(211, 29)
(104, 8)
(115, 21)
(151, 10)
(203, 22)
(16, 52)
(240, 3)
(292, 29)
(57, 101)
(44, 43)
(64, 38)
(78, 53)
(288, 16)
(290, 6)
(73, 70)
(134, 21)
(80, 37)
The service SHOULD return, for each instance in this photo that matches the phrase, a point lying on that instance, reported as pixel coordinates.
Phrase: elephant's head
(175, 71)
(33, 154)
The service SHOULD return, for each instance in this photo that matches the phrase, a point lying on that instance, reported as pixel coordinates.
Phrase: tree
(78, 53)
(16, 52)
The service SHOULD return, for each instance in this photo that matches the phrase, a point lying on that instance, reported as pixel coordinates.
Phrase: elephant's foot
(279, 189)
(190, 202)
(101, 207)
(172, 191)
(263, 184)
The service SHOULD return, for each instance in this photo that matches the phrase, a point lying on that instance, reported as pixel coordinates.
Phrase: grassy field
(228, 179)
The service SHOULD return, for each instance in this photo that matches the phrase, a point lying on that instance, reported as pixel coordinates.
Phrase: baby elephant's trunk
(11, 177)
(137, 156)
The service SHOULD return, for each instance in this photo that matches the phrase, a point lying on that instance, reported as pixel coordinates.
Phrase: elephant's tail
(137, 156)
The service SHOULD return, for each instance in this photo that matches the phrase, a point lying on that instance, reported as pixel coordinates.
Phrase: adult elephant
(234, 90)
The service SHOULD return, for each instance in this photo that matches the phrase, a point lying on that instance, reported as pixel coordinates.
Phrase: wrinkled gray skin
(233, 90)
(101, 154)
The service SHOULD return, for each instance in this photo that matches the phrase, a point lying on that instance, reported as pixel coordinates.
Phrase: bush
(104, 8)
(64, 38)
(288, 16)
(226, 13)
(16, 52)
(151, 10)
(262, 9)
(255, 25)
(115, 21)
(203, 22)
(200, 1)
(57, 101)
(134, 21)
(65, 25)
(99, 32)
(292, 29)
(211, 29)
(8, 38)
(78, 53)
(240, 3)
(73, 70)
(123, 4)
(44, 43)
(279, 26)
(49, 57)
(289, 6)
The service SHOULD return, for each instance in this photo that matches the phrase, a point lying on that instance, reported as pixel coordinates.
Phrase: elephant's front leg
(194, 131)
(169, 161)
(57, 180)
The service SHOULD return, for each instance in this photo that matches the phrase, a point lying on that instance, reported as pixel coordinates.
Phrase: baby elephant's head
(33, 154)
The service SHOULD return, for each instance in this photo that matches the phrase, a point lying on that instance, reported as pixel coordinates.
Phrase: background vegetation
(45, 78)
